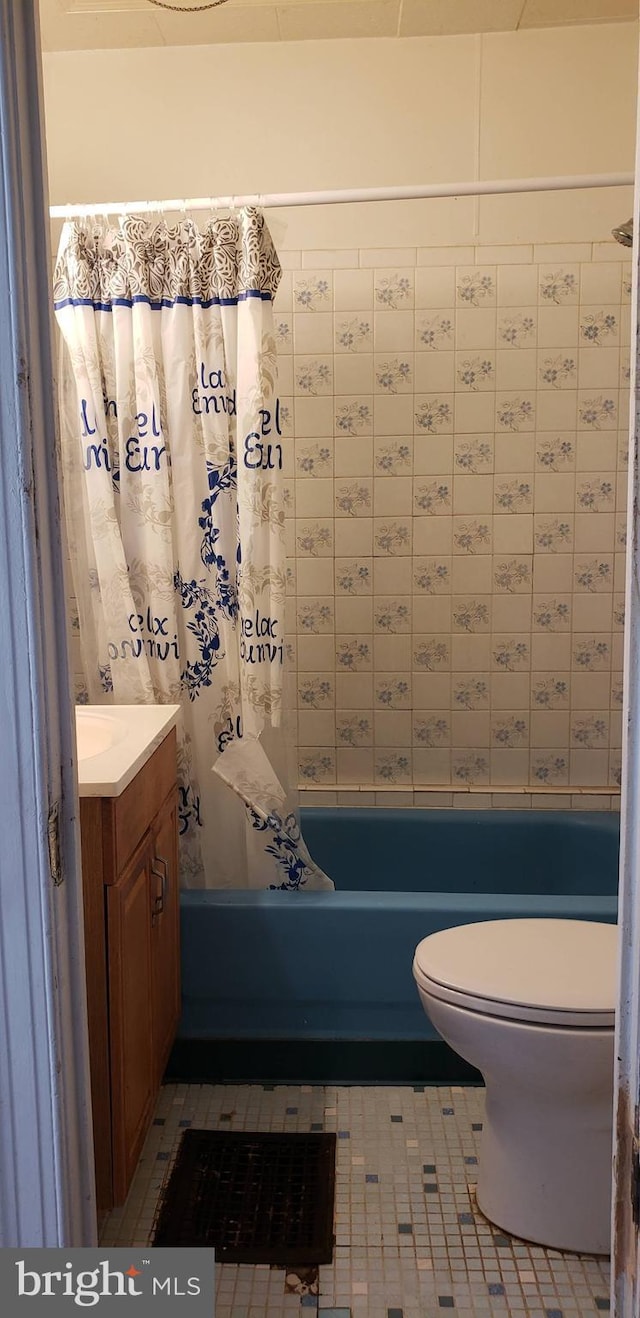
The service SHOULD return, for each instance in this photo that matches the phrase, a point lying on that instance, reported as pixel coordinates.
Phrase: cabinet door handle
(159, 901)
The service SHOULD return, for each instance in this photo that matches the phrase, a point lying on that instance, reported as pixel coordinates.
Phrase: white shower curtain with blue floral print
(171, 458)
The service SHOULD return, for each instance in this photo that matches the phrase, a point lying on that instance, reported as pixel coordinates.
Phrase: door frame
(46, 1146)
(625, 1278)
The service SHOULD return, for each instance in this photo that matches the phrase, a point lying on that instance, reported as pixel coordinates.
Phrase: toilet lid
(561, 972)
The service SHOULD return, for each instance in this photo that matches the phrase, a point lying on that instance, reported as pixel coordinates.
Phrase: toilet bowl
(530, 1004)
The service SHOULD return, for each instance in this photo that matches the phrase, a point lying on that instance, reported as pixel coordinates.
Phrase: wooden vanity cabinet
(165, 943)
(131, 909)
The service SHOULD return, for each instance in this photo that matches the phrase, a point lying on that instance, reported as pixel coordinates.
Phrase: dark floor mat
(255, 1198)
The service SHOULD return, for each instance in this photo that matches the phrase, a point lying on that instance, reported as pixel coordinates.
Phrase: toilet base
(544, 1180)
(546, 1155)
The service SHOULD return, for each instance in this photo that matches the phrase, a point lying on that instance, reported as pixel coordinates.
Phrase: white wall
(188, 121)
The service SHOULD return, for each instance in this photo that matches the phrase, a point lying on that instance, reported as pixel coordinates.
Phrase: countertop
(134, 732)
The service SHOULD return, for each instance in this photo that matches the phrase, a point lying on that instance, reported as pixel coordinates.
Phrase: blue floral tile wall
(456, 479)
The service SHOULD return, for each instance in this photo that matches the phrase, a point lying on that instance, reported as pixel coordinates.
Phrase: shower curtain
(171, 460)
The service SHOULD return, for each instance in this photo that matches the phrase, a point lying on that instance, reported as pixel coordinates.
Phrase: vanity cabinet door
(165, 932)
(132, 936)
(130, 988)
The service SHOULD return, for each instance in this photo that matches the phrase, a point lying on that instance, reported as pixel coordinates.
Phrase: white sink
(114, 741)
(96, 733)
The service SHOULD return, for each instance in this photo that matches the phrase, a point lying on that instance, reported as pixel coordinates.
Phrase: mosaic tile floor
(410, 1242)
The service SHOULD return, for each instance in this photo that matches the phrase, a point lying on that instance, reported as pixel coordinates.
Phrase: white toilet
(530, 1003)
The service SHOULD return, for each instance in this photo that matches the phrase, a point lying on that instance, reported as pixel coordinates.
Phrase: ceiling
(104, 24)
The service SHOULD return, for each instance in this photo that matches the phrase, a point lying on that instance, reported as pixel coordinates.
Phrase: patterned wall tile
(456, 458)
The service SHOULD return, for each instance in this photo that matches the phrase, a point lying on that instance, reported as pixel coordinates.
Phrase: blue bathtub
(337, 965)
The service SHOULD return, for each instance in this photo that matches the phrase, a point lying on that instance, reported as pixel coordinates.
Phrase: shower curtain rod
(489, 187)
